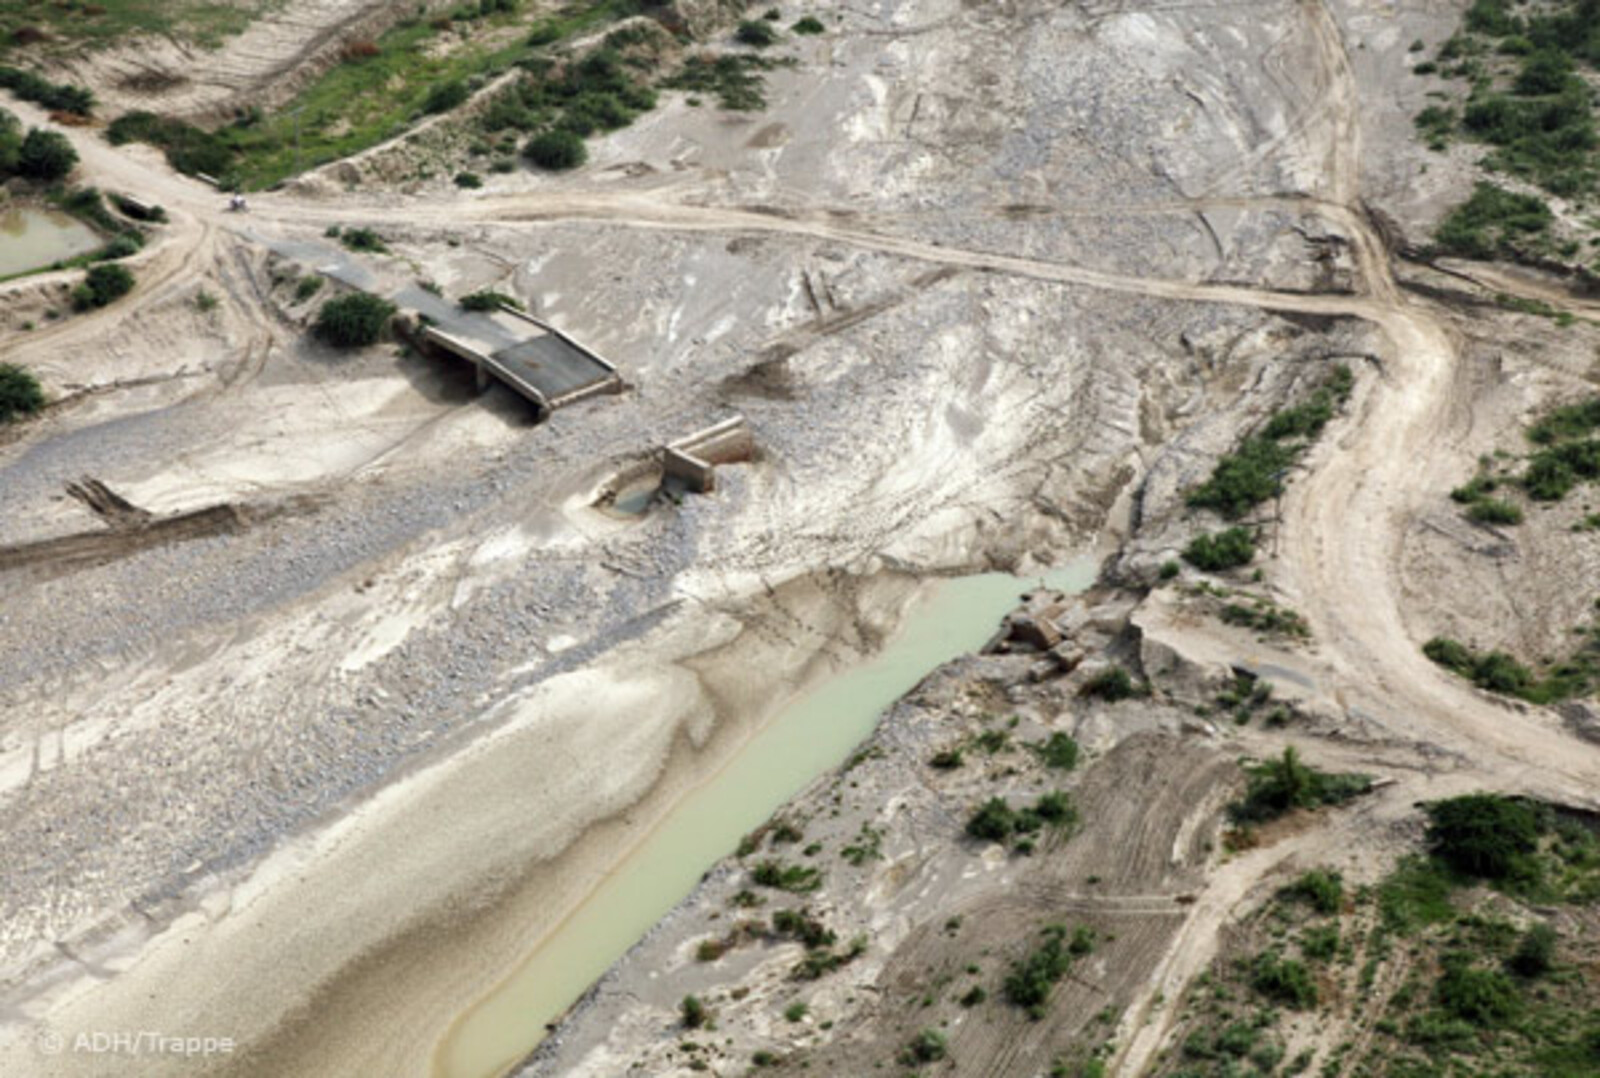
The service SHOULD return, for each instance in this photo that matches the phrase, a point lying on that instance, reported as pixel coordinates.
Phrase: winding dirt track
(1343, 525)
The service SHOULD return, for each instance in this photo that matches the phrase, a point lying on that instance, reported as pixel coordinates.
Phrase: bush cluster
(735, 78)
(996, 821)
(1541, 124)
(1219, 551)
(353, 321)
(563, 104)
(1493, 223)
(1276, 786)
(1254, 472)
(62, 97)
(1499, 672)
(40, 155)
(1031, 978)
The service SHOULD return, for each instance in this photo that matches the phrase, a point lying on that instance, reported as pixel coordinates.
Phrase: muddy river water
(805, 739)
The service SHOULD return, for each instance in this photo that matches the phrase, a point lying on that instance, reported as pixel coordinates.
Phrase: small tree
(1484, 834)
(756, 33)
(19, 392)
(46, 156)
(693, 1011)
(353, 321)
(101, 285)
(557, 150)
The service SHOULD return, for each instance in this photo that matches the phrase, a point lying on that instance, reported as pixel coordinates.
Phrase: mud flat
(501, 843)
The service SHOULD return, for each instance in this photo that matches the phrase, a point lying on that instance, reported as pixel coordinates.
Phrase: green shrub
(306, 287)
(928, 1046)
(556, 150)
(1484, 835)
(1535, 952)
(1055, 808)
(46, 156)
(1031, 978)
(1543, 73)
(694, 1012)
(102, 285)
(756, 33)
(1555, 470)
(945, 759)
(809, 24)
(994, 821)
(20, 393)
(1058, 751)
(468, 180)
(363, 239)
(801, 926)
(488, 300)
(1111, 684)
(1495, 511)
(794, 878)
(1222, 550)
(1277, 786)
(1283, 980)
(1483, 997)
(353, 321)
(445, 96)
(1322, 888)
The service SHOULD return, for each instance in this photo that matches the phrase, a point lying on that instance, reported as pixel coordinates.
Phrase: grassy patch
(100, 23)
(375, 93)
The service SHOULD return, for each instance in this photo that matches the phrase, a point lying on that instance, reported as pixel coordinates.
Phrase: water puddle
(32, 238)
(807, 737)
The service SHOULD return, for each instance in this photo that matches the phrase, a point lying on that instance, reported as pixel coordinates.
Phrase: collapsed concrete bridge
(528, 355)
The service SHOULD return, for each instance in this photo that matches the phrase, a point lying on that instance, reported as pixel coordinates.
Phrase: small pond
(32, 238)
